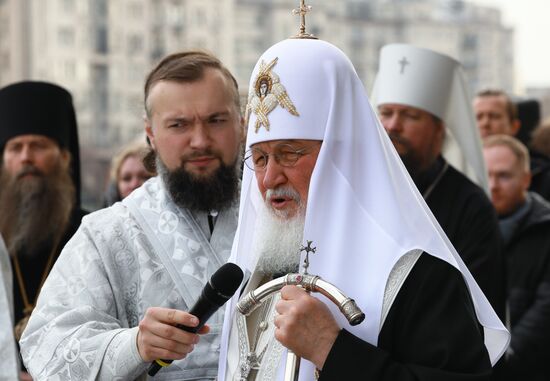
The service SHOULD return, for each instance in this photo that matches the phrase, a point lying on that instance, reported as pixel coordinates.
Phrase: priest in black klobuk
(39, 185)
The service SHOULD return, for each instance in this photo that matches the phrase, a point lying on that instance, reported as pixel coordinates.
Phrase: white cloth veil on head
(436, 83)
(363, 212)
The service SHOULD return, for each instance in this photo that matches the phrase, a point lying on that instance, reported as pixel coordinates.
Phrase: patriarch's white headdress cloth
(363, 212)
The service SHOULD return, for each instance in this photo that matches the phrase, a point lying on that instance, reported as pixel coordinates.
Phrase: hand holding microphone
(171, 334)
(159, 336)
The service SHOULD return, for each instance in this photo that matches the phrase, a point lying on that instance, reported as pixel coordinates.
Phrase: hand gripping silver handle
(311, 283)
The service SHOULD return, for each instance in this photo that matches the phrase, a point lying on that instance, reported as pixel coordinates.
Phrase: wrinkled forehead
(281, 143)
(401, 107)
(496, 101)
(31, 138)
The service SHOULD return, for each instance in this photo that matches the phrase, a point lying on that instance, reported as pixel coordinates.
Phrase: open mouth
(280, 202)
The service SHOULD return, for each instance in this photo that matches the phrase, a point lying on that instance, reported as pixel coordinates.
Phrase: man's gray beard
(278, 241)
(35, 210)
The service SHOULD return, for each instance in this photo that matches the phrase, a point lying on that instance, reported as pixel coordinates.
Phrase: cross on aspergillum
(308, 249)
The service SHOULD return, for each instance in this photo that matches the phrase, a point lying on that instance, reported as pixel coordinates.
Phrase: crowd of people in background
(481, 166)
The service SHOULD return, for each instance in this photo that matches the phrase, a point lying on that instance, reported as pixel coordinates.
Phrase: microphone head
(225, 281)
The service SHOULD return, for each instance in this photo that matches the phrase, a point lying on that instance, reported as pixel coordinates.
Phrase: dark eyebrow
(218, 114)
(178, 119)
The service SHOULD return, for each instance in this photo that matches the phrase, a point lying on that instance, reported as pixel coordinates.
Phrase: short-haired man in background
(524, 219)
(496, 113)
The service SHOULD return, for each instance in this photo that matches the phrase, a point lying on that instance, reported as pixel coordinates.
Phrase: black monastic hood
(43, 109)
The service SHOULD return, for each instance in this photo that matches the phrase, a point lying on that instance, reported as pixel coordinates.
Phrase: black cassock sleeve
(477, 240)
(469, 220)
(431, 333)
(531, 335)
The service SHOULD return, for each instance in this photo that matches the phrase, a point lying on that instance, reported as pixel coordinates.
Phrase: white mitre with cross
(364, 212)
(434, 82)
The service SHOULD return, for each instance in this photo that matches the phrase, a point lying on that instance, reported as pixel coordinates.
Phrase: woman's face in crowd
(131, 175)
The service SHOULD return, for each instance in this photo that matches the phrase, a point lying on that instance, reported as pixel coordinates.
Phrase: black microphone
(219, 289)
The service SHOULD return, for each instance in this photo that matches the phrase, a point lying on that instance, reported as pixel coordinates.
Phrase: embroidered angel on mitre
(266, 94)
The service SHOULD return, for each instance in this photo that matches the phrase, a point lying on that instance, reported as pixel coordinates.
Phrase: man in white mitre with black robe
(423, 102)
(320, 168)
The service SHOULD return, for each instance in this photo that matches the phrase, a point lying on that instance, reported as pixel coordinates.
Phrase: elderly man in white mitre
(320, 168)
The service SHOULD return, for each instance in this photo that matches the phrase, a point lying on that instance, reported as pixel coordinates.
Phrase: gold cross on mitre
(302, 11)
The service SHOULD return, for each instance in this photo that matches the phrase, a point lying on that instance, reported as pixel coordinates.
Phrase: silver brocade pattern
(264, 359)
(140, 253)
(396, 279)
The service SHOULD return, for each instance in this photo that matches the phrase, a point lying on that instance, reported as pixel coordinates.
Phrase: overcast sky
(530, 20)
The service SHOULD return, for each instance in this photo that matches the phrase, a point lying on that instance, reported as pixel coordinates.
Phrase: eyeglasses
(285, 155)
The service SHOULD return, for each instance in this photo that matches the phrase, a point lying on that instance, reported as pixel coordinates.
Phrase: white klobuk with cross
(403, 64)
(435, 83)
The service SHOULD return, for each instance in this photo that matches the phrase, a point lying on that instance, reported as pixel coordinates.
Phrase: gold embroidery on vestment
(266, 94)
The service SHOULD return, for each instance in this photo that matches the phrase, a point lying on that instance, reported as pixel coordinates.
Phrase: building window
(200, 17)
(68, 6)
(136, 10)
(99, 102)
(174, 14)
(135, 44)
(469, 42)
(157, 50)
(101, 40)
(135, 74)
(99, 13)
(69, 70)
(66, 37)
